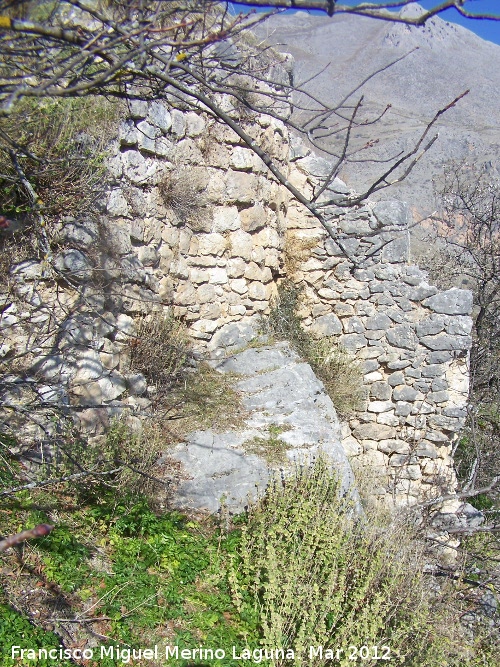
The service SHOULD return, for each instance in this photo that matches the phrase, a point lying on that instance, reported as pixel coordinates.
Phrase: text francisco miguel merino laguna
(129, 655)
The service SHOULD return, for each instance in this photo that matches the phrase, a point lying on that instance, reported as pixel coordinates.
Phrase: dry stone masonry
(413, 340)
(193, 224)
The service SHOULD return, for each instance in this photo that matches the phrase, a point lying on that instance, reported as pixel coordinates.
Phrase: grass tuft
(339, 371)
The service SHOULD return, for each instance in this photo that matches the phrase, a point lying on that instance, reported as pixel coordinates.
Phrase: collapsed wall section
(192, 223)
(411, 339)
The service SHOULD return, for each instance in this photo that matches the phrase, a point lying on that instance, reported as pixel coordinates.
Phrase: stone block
(355, 227)
(396, 379)
(388, 418)
(402, 336)
(445, 423)
(351, 446)
(241, 187)
(217, 276)
(82, 234)
(405, 394)
(226, 219)
(436, 436)
(426, 449)
(381, 390)
(178, 123)
(373, 376)
(393, 446)
(138, 169)
(203, 328)
(374, 431)
(195, 124)
(253, 218)
(439, 384)
(137, 109)
(391, 212)
(240, 245)
(146, 135)
(258, 292)
(398, 250)
(380, 406)
(159, 116)
(236, 267)
(430, 326)
(451, 302)
(327, 325)
(74, 265)
(353, 342)
(446, 342)
(440, 357)
(212, 244)
(369, 365)
(402, 409)
(239, 285)
(459, 325)
(421, 291)
(148, 256)
(205, 293)
(378, 321)
(438, 397)
(117, 204)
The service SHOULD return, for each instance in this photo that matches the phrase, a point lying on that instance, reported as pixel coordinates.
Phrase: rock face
(448, 60)
(289, 414)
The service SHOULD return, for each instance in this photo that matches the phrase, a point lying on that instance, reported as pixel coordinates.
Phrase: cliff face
(449, 60)
(192, 223)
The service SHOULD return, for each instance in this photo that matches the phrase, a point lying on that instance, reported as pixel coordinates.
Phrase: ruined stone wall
(411, 339)
(201, 212)
(192, 223)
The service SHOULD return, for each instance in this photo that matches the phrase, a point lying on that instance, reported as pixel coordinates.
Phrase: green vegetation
(339, 371)
(61, 152)
(299, 569)
(273, 448)
(190, 395)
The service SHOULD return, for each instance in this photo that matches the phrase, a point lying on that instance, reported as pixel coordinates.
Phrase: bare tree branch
(41, 530)
(384, 11)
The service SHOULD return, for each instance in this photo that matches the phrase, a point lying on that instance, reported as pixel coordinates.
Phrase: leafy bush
(301, 568)
(339, 371)
(319, 574)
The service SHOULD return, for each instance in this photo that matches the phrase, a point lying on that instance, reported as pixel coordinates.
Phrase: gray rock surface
(279, 392)
(335, 54)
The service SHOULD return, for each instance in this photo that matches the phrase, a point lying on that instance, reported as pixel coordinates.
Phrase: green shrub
(63, 158)
(319, 575)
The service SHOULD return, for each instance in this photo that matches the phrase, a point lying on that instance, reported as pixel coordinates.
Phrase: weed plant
(300, 569)
(339, 371)
(319, 575)
(183, 192)
(161, 351)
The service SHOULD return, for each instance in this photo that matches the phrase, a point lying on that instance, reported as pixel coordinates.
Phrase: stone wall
(201, 212)
(192, 223)
(411, 339)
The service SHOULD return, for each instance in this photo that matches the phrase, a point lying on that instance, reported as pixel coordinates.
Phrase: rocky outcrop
(290, 419)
